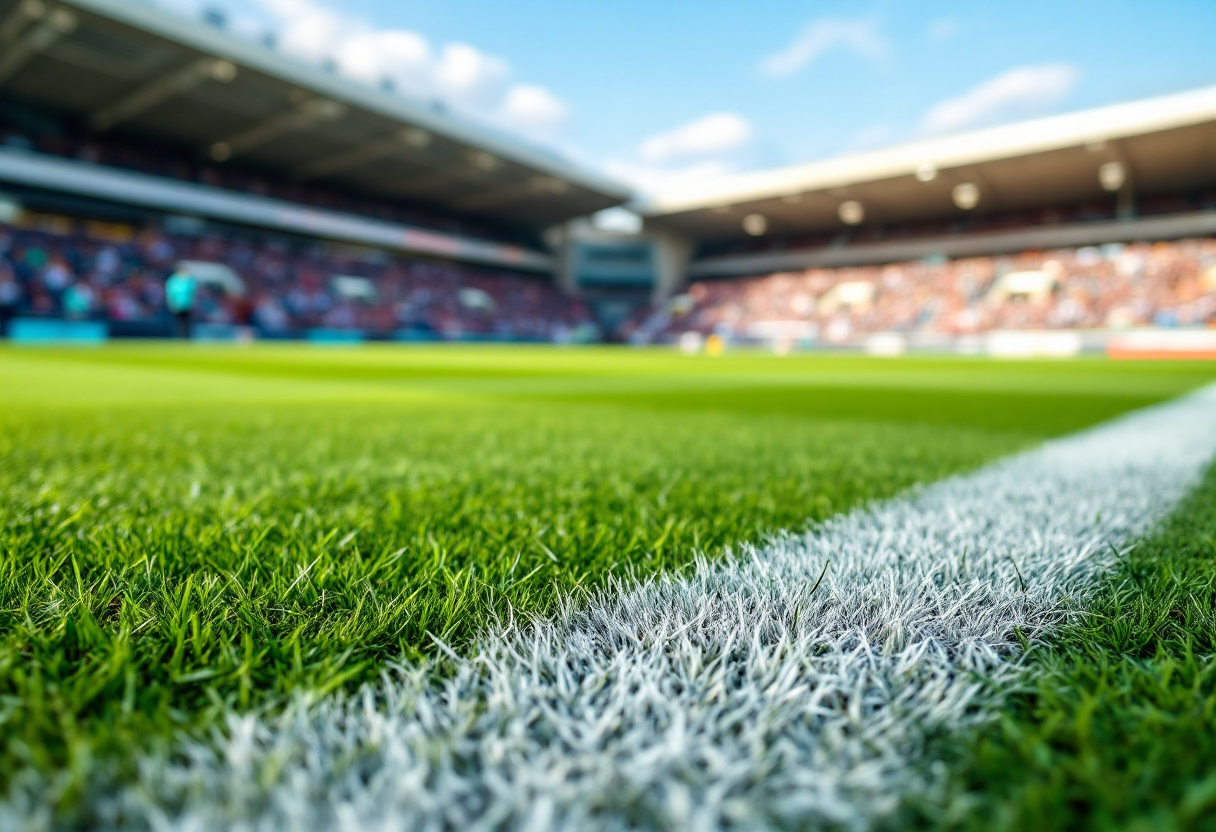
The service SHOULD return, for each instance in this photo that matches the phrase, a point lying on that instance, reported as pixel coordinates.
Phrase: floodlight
(755, 224)
(63, 21)
(966, 195)
(926, 172)
(323, 108)
(221, 151)
(1111, 176)
(223, 71)
(416, 138)
(482, 160)
(549, 185)
(851, 212)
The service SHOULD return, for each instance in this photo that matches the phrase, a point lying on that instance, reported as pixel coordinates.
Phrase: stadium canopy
(1157, 146)
(146, 72)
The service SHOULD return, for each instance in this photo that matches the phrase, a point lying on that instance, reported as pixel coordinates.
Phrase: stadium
(356, 474)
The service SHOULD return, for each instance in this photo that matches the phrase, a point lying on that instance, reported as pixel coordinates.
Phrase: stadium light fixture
(1111, 176)
(851, 212)
(223, 71)
(321, 109)
(160, 89)
(966, 195)
(409, 139)
(416, 138)
(304, 113)
(482, 160)
(26, 11)
(549, 185)
(755, 224)
(926, 172)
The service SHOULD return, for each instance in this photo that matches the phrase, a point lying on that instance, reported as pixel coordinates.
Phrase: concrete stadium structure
(1119, 155)
(139, 72)
(122, 71)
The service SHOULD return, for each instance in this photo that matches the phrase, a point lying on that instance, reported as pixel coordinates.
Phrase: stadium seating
(1162, 284)
(55, 266)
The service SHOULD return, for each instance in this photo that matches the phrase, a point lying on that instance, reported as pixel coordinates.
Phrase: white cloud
(1021, 91)
(709, 135)
(686, 156)
(652, 179)
(534, 110)
(820, 36)
(468, 78)
(399, 56)
(309, 30)
(458, 74)
(618, 219)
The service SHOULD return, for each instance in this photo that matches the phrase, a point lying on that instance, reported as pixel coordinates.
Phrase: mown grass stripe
(741, 693)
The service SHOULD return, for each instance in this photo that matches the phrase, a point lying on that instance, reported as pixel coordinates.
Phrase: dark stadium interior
(28, 128)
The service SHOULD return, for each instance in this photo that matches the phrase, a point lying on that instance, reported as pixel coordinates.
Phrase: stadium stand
(1165, 284)
(58, 266)
(133, 140)
(1094, 223)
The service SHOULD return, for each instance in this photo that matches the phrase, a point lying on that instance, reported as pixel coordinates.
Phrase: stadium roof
(1161, 145)
(120, 65)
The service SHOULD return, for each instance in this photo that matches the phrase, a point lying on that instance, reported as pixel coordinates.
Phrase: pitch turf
(189, 530)
(1113, 729)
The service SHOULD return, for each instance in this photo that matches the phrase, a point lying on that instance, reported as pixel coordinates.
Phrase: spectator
(10, 295)
(287, 284)
(78, 301)
(1158, 284)
(181, 290)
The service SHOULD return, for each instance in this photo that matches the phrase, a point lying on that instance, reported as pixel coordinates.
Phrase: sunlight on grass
(190, 529)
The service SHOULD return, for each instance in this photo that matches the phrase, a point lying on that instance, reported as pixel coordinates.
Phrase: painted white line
(791, 685)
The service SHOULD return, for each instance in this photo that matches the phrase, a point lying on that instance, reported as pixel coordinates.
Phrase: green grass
(186, 530)
(1114, 730)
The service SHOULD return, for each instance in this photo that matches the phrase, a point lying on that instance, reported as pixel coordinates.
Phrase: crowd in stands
(28, 130)
(1164, 284)
(56, 266)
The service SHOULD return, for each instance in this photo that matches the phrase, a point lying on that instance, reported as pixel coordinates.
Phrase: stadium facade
(133, 139)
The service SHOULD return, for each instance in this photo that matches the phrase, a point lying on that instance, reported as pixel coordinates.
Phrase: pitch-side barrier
(1142, 344)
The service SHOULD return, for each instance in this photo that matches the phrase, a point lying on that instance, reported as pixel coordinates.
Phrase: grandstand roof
(1165, 144)
(124, 66)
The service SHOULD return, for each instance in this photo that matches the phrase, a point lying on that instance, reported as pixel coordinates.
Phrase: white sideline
(745, 693)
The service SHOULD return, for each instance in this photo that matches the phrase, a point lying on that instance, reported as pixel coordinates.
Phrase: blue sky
(656, 91)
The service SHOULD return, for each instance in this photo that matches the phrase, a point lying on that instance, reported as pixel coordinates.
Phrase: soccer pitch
(193, 535)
